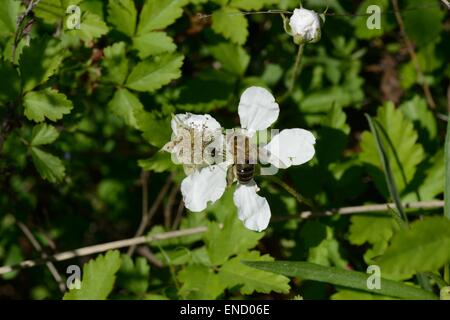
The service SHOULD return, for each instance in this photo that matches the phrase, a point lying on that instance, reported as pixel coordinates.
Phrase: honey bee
(244, 163)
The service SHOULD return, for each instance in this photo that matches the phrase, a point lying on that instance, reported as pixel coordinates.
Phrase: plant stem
(292, 191)
(295, 73)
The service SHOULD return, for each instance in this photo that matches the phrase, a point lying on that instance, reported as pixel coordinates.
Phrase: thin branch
(178, 216)
(148, 254)
(148, 215)
(446, 3)
(435, 204)
(412, 53)
(99, 248)
(169, 205)
(37, 246)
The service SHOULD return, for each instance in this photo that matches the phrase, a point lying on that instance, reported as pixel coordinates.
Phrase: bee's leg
(231, 175)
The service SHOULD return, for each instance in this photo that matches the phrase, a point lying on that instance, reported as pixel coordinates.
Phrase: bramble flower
(257, 111)
(187, 130)
(305, 26)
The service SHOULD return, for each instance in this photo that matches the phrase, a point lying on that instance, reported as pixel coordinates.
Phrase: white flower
(257, 111)
(188, 130)
(305, 26)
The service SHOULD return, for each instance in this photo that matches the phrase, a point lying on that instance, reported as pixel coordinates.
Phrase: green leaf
(50, 168)
(39, 62)
(337, 119)
(424, 120)
(429, 183)
(158, 14)
(150, 75)
(156, 130)
(345, 294)
(134, 276)
(160, 162)
(230, 23)
(98, 278)
(43, 134)
(232, 57)
(122, 15)
(218, 243)
(326, 252)
(360, 23)
(9, 82)
(404, 140)
(46, 103)
(126, 105)
(251, 4)
(51, 11)
(234, 273)
(9, 12)
(447, 173)
(200, 282)
(341, 277)
(13, 255)
(92, 27)
(376, 229)
(423, 26)
(377, 130)
(153, 43)
(423, 247)
(371, 228)
(115, 63)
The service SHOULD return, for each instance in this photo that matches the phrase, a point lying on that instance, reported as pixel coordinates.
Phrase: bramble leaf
(233, 273)
(50, 168)
(43, 134)
(39, 62)
(126, 105)
(230, 23)
(98, 278)
(232, 239)
(150, 75)
(200, 282)
(122, 15)
(47, 103)
(115, 63)
(423, 247)
(153, 43)
(158, 14)
(408, 153)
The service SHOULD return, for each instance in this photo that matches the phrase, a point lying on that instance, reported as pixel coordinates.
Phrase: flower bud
(305, 26)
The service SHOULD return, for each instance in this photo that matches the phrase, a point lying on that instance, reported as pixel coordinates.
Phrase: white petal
(194, 121)
(253, 210)
(204, 185)
(257, 109)
(291, 147)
